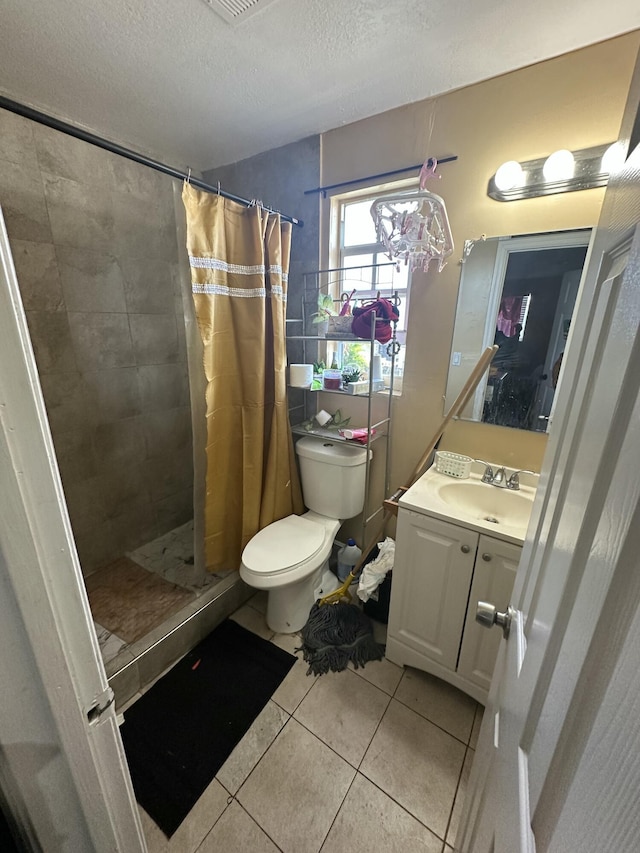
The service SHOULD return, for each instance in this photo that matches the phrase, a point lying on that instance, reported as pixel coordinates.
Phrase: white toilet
(290, 558)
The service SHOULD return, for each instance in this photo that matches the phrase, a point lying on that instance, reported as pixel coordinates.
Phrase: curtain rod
(324, 190)
(100, 142)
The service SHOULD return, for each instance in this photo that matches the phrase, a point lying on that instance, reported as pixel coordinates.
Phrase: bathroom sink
(501, 512)
(488, 503)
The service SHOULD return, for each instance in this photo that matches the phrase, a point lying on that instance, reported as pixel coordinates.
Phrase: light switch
(457, 358)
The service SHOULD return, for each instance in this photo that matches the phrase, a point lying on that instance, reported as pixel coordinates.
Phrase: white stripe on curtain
(243, 292)
(235, 269)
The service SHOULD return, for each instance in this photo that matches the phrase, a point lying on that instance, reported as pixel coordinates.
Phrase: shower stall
(103, 276)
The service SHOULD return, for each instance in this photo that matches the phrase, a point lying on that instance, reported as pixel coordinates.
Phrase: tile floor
(375, 760)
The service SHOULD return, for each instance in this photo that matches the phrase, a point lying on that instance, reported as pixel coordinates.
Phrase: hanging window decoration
(414, 227)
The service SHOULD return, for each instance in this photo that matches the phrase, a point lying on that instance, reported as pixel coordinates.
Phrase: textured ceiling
(172, 79)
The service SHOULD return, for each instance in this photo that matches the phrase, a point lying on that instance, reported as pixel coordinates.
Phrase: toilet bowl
(290, 557)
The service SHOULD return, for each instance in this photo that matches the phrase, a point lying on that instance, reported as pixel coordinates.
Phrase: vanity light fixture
(560, 172)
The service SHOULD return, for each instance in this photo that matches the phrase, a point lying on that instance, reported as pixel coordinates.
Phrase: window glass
(358, 229)
(366, 268)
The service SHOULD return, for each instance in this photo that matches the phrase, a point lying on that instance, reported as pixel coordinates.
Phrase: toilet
(290, 558)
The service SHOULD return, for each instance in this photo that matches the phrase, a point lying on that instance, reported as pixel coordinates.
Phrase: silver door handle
(488, 615)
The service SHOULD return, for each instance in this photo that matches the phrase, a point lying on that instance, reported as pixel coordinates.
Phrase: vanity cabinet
(441, 571)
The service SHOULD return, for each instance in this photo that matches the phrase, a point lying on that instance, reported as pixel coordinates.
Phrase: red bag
(382, 312)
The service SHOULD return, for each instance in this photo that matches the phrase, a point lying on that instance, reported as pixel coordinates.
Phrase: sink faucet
(513, 482)
(494, 478)
(487, 477)
(499, 478)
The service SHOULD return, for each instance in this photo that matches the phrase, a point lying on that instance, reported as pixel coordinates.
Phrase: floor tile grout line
(479, 710)
(335, 817)
(313, 734)
(384, 714)
(463, 742)
(250, 773)
(456, 793)
(403, 807)
(231, 798)
(362, 773)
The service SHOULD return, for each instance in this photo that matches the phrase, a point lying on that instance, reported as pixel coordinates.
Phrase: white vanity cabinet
(441, 571)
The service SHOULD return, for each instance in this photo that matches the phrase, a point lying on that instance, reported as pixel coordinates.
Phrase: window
(358, 249)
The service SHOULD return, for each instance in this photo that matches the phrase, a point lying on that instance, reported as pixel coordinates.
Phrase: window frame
(339, 253)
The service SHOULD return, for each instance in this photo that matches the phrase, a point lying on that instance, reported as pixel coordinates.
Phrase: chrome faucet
(487, 477)
(499, 478)
(513, 482)
(493, 478)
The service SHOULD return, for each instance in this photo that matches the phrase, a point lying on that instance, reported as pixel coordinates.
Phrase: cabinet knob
(465, 549)
(487, 558)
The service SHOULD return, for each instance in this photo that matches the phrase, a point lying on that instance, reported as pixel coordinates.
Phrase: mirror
(517, 292)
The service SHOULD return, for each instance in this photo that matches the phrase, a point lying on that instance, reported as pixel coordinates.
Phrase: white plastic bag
(374, 572)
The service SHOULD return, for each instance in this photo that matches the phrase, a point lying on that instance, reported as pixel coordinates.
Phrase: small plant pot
(340, 327)
(320, 329)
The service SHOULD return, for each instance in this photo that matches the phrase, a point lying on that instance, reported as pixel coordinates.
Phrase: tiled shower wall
(93, 238)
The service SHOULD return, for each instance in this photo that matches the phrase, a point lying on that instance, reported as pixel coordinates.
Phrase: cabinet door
(493, 578)
(431, 578)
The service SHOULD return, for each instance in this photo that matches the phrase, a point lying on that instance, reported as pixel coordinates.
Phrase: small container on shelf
(331, 380)
(362, 386)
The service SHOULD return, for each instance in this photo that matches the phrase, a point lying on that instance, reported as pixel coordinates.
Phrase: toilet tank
(333, 476)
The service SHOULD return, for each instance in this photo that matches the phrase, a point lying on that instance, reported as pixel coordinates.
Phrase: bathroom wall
(573, 101)
(93, 238)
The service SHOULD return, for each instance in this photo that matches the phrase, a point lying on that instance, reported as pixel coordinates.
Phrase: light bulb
(509, 176)
(612, 159)
(559, 166)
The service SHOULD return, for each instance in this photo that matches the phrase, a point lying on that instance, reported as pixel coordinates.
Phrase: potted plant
(350, 373)
(321, 318)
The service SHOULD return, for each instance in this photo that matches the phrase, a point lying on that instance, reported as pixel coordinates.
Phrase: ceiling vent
(236, 11)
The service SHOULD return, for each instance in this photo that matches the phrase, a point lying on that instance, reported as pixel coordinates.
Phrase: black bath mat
(179, 734)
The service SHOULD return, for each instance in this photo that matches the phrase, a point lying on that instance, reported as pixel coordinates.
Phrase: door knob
(488, 615)
(465, 549)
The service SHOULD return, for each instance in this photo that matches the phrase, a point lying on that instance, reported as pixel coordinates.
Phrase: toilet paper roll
(376, 367)
(323, 417)
(300, 375)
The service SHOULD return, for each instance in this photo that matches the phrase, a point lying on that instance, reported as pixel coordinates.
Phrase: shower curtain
(239, 261)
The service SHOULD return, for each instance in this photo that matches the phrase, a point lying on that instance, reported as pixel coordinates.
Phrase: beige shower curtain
(239, 261)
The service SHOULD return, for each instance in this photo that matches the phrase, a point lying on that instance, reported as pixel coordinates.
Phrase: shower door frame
(67, 719)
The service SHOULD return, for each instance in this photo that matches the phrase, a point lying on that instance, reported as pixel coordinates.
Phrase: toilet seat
(287, 550)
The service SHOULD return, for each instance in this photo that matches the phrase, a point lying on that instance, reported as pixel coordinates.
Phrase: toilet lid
(283, 544)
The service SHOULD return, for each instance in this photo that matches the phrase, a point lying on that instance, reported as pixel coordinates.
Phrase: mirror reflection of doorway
(532, 321)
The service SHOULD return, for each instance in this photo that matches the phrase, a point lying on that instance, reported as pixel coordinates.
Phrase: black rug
(179, 733)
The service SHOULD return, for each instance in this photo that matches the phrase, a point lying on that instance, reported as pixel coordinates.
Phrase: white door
(558, 760)
(63, 772)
